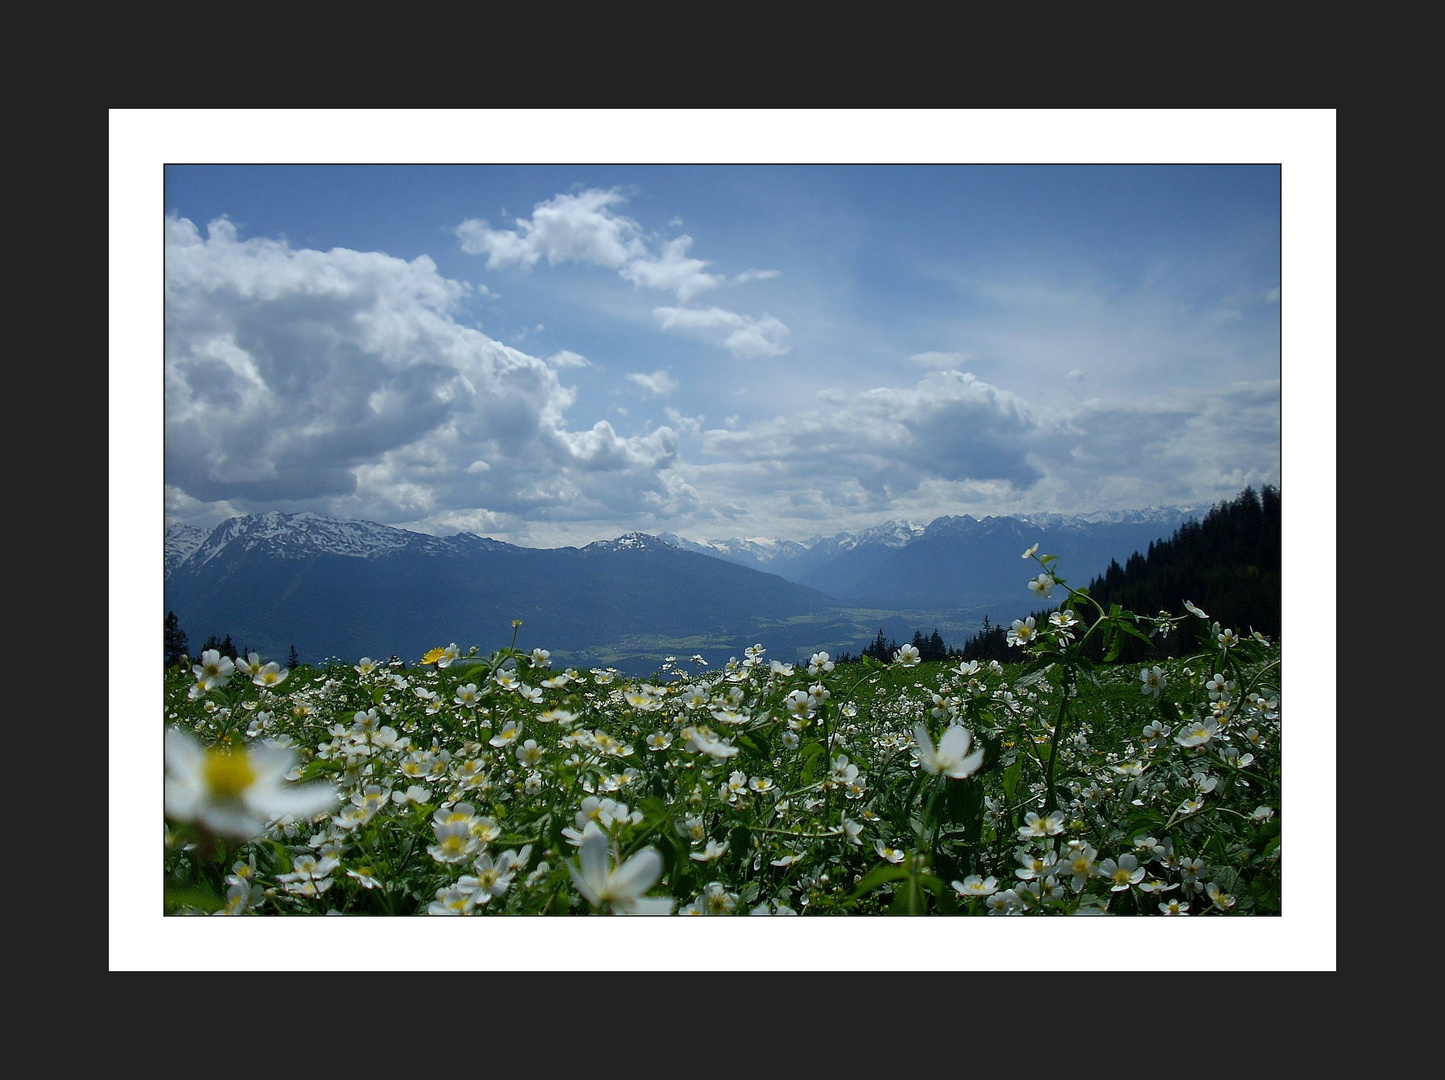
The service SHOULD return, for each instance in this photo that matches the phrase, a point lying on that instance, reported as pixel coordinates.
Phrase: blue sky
(553, 354)
(859, 342)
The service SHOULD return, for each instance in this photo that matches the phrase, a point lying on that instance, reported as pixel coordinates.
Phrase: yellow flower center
(227, 774)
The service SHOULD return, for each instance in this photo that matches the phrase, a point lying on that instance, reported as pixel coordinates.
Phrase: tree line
(1227, 565)
(178, 644)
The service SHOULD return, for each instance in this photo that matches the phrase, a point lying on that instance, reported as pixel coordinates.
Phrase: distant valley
(347, 589)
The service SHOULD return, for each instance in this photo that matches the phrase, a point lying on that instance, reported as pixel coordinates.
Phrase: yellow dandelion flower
(431, 656)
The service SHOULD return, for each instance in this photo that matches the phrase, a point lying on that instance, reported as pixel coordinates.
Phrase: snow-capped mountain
(825, 561)
(355, 588)
(793, 558)
(304, 536)
(349, 589)
(181, 542)
(633, 541)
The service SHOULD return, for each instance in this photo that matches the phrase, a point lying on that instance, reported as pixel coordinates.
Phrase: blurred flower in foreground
(951, 757)
(235, 793)
(622, 888)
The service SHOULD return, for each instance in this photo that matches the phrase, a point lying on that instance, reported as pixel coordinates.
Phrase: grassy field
(502, 783)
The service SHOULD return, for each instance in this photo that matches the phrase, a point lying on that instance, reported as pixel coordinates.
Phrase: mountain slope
(963, 561)
(334, 590)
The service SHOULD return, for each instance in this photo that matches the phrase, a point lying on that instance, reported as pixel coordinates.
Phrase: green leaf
(1011, 777)
(879, 875)
(747, 742)
(810, 753)
(191, 897)
(1128, 628)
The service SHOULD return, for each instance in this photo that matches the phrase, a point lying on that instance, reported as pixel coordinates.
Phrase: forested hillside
(1228, 566)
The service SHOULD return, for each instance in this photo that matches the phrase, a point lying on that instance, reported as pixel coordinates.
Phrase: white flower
(1022, 632)
(975, 885)
(453, 901)
(214, 671)
(235, 793)
(705, 742)
(1153, 679)
(951, 757)
(1197, 733)
(907, 656)
(1029, 554)
(1049, 824)
(1194, 610)
(272, 674)
(892, 854)
(713, 850)
(820, 663)
(622, 888)
(1043, 585)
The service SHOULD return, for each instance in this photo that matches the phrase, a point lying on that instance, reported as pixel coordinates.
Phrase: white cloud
(339, 382)
(755, 275)
(576, 228)
(658, 384)
(740, 334)
(944, 360)
(885, 442)
(566, 358)
(583, 228)
(1179, 448)
(689, 425)
(672, 270)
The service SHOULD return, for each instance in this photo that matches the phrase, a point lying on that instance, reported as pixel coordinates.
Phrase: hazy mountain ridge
(349, 589)
(774, 555)
(967, 561)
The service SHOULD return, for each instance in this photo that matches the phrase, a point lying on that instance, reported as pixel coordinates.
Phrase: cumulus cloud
(585, 228)
(687, 425)
(672, 270)
(879, 444)
(943, 360)
(1165, 449)
(741, 334)
(340, 382)
(566, 358)
(658, 384)
(576, 228)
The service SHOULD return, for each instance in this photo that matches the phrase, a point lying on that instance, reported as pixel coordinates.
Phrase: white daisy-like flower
(235, 792)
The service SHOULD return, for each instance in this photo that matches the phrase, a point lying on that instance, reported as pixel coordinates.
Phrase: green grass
(776, 790)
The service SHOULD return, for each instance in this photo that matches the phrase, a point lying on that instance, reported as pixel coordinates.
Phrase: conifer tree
(176, 642)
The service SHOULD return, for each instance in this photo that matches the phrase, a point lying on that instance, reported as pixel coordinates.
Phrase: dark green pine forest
(1227, 565)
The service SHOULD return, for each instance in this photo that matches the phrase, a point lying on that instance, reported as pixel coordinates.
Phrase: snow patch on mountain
(633, 541)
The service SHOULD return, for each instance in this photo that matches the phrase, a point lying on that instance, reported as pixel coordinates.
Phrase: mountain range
(346, 589)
